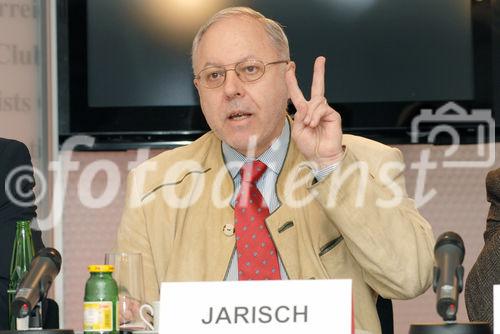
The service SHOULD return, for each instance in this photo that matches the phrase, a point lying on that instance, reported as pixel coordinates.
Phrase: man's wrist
(328, 166)
(323, 163)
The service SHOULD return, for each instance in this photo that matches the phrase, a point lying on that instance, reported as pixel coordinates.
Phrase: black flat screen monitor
(126, 76)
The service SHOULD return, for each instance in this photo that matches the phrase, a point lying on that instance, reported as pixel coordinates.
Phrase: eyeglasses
(247, 71)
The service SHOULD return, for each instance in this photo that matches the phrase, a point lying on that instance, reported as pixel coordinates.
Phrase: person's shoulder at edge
(14, 152)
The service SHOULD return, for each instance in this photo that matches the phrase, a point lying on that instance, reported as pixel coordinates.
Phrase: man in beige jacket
(338, 205)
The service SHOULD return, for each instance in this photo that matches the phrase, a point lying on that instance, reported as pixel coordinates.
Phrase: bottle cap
(23, 223)
(101, 268)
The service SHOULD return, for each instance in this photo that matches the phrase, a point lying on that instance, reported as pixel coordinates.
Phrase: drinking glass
(128, 274)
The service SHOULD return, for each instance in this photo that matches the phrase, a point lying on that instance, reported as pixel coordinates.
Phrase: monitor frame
(119, 128)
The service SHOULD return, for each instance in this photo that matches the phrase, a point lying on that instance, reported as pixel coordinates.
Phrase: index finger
(294, 89)
(318, 81)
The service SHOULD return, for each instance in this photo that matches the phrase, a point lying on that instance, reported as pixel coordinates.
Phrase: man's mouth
(239, 115)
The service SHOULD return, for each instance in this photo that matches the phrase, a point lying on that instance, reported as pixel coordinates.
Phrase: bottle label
(97, 316)
(23, 324)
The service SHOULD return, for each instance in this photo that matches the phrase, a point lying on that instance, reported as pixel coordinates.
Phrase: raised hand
(317, 130)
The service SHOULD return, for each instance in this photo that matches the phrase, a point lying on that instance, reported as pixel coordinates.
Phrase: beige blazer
(178, 204)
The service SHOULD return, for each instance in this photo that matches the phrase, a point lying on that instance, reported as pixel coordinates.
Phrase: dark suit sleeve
(484, 274)
(17, 201)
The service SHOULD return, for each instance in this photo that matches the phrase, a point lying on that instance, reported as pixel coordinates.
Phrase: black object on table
(41, 331)
(451, 328)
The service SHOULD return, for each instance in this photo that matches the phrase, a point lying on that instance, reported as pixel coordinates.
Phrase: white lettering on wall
(15, 102)
(15, 9)
(12, 54)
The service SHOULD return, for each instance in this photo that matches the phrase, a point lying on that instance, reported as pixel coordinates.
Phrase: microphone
(37, 281)
(448, 274)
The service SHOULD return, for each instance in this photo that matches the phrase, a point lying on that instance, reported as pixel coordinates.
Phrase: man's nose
(233, 86)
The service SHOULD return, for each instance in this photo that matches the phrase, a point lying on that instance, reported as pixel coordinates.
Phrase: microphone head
(450, 238)
(35, 284)
(449, 254)
(52, 254)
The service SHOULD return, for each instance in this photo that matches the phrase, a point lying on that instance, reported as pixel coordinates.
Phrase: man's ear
(196, 84)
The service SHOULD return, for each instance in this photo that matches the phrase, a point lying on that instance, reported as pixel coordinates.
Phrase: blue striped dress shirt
(274, 158)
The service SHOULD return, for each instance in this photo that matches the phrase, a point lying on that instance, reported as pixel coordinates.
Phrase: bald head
(273, 30)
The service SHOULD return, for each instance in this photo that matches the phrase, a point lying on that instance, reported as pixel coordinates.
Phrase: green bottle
(22, 255)
(100, 303)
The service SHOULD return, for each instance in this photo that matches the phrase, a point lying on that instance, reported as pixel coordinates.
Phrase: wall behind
(20, 67)
(23, 86)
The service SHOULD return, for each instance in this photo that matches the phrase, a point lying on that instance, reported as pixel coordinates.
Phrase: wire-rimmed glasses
(247, 71)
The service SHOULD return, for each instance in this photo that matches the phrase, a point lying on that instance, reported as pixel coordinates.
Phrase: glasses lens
(212, 77)
(250, 70)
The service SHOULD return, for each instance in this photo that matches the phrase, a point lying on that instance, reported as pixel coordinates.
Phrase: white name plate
(496, 309)
(292, 306)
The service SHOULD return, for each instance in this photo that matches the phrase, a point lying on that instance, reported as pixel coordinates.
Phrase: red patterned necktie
(257, 258)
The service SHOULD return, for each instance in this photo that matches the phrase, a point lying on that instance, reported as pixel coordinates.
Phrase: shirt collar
(273, 157)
